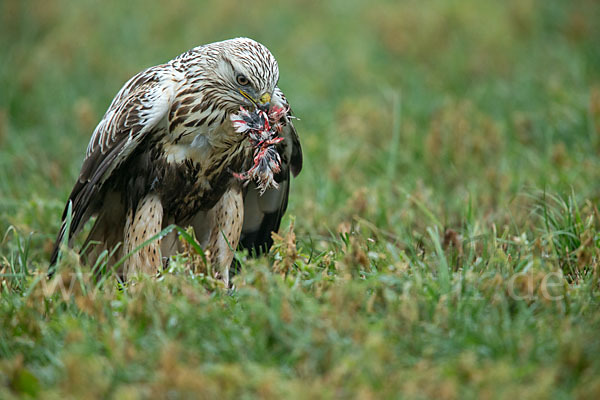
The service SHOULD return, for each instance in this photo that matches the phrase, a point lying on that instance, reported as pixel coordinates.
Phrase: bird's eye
(242, 80)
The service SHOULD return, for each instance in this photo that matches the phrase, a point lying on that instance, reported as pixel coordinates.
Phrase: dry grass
(445, 238)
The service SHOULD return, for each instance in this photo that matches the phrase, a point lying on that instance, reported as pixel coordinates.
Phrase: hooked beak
(263, 103)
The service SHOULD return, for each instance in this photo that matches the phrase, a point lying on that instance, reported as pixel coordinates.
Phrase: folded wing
(139, 110)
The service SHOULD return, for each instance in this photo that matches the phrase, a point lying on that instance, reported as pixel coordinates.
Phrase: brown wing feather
(262, 217)
(137, 111)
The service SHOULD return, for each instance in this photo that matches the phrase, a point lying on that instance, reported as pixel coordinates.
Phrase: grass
(442, 241)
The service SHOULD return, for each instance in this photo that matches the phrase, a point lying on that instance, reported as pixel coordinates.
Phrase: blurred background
(451, 166)
(409, 112)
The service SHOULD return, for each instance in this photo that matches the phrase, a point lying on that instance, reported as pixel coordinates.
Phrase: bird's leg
(227, 217)
(139, 227)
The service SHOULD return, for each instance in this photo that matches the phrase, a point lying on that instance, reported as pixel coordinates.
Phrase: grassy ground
(446, 238)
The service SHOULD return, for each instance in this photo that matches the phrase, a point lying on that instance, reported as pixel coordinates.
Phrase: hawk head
(243, 72)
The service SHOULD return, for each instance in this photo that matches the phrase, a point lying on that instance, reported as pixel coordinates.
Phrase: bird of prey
(166, 152)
